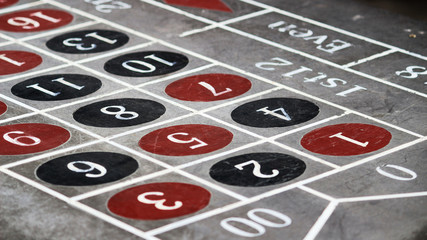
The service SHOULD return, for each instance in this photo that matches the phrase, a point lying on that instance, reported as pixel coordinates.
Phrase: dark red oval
(346, 139)
(31, 138)
(34, 20)
(208, 87)
(183, 140)
(18, 61)
(177, 199)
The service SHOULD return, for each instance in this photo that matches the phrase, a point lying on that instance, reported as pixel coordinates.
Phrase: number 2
(257, 169)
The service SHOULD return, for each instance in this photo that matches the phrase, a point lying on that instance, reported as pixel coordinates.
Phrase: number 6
(17, 142)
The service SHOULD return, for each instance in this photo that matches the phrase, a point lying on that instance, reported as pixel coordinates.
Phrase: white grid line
(292, 50)
(137, 232)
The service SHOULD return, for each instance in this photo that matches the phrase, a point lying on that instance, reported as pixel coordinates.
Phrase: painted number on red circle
(18, 61)
(208, 87)
(156, 201)
(346, 139)
(183, 140)
(34, 20)
(31, 138)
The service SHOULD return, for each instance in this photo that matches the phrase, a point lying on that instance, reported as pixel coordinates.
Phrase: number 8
(122, 111)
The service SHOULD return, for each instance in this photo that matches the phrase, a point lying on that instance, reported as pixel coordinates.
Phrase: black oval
(78, 86)
(119, 112)
(57, 172)
(89, 44)
(298, 111)
(288, 168)
(146, 64)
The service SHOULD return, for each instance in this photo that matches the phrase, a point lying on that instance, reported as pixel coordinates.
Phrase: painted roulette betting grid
(222, 119)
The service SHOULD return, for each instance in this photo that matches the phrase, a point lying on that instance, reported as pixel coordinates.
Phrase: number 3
(159, 204)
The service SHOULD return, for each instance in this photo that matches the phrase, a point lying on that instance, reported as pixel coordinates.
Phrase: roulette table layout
(212, 119)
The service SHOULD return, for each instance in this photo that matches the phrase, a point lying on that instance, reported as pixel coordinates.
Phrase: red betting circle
(3, 108)
(18, 61)
(179, 198)
(208, 87)
(320, 140)
(23, 21)
(28, 138)
(5, 3)
(184, 140)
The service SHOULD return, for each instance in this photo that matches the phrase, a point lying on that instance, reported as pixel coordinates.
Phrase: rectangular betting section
(230, 204)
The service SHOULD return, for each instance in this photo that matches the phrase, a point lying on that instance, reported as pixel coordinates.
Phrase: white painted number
(120, 114)
(412, 174)
(149, 67)
(257, 169)
(159, 204)
(411, 73)
(172, 138)
(11, 61)
(281, 62)
(340, 136)
(59, 80)
(212, 89)
(92, 166)
(285, 115)
(70, 42)
(257, 223)
(28, 23)
(107, 8)
(17, 141)
(101, 38)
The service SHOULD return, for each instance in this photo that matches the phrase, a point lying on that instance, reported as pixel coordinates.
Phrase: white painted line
(335, 29)
(196, 218)
(241, 99)
(50, 154)
(370, 58)
(22, 6)
(271, 43)
(120, 51)
(58, 31)
(229, 21)
(221, 154)
(30, 74)
(301, 153)
(309, 125)
(317, 193)
(228, 66)
(177, 75)
(383, 197)
(143, 128)
(179, 11)
(120, 185)
(112, 220)
(211, 185)
(17, 117)
(321, 221)
(277, 45)
(382, 154)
